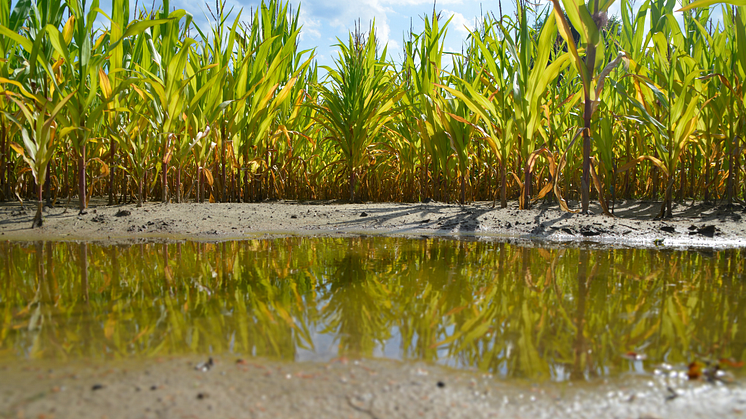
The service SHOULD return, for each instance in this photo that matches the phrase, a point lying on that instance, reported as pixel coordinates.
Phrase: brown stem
(222, 161)
(585, 179)
(81, 178)
(67, 176)
(527, 187)
(245, 185)
(178, 184)
(48, 185)
(707, 180)
(503, 186)
(164, 184)
(37, 218)
(3, 164)
(585, 182)
(200, 184)
(112, 171)
(143, 179)
(352, 185)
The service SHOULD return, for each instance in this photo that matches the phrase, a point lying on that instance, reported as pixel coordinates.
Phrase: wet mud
(694, 224)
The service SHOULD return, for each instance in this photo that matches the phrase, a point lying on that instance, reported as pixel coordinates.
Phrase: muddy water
(516, 312)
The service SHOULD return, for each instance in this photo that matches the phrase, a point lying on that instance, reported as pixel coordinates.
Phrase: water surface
(571, 313)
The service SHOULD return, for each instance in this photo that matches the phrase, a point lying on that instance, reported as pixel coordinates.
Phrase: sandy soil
(234, 388)
(693, 225)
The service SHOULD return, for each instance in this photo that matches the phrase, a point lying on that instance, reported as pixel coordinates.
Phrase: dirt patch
(694, 224)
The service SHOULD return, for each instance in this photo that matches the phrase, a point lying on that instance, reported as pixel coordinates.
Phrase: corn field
(561, 103)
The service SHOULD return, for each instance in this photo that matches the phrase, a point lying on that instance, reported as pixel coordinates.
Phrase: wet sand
(255, 388)
(694, 224)
(235, 388)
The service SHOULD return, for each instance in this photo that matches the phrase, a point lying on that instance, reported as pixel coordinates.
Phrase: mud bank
(231, 387)
(694, 224)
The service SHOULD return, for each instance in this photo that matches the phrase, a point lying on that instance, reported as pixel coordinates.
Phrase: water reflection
(513, 311)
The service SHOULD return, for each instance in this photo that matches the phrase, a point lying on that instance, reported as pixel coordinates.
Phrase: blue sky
(326, 20)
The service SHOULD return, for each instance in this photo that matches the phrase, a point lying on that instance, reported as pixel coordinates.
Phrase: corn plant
(40, 115)
(359, 103)
(12, 20)
(237, 111)
(588, 18)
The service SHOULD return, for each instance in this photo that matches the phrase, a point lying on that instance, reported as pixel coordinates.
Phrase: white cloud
(394, 47)
(459, 22)
(311, 27)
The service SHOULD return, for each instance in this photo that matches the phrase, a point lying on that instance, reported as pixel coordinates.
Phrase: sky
(326, 20)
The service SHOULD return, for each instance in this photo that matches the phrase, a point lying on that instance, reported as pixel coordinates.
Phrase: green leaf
(708, 3)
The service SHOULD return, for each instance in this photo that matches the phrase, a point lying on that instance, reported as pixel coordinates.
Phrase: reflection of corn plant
(508, 310)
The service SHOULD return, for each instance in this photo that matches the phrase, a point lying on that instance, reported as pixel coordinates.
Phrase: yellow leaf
(104, 82)
(657, 162)
(18, 149)
(208, 176)
(67, 31)
(100, 40)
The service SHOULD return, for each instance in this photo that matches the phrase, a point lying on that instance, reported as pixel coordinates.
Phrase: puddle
(544, 314)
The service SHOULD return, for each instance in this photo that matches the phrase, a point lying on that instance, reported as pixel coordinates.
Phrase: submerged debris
(634, 356)
(712, 372)
(205, 366)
